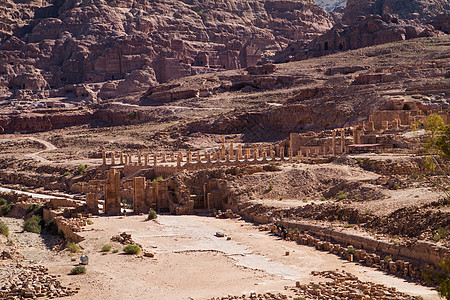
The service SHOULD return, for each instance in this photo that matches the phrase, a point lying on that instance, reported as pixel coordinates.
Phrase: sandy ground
(192, 263)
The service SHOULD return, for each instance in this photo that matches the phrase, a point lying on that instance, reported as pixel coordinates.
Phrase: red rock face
(365, 31)
(423, 10)
(51, 45)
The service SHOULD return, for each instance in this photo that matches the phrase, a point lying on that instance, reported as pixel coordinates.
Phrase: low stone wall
(63, 225)
(420, 252)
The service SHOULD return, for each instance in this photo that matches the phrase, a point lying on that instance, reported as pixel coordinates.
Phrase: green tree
(436, 148)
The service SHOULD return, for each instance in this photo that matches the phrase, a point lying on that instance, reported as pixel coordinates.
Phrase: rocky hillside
(330, 5)
(423, 10)
(136, 44)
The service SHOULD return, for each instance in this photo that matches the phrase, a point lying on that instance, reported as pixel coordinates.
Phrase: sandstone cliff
(51, 44)
(423, 10)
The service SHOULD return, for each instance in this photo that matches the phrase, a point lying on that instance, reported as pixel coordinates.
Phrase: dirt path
(35, 155)
(192, 263)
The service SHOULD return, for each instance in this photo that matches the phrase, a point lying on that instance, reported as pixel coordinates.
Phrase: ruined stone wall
(63, 225)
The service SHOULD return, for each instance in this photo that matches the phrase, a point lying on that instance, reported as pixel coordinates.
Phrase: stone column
(223, 147)
(172, 157)
(199, 158)
(129, 159)
(395, 124)
(231, 150)
(282, 153)
(126, 159)
(227, 157)
(146, 159)
(104, 157)
(255, 154)
(113, 158)
(299, 154)
(371, 126)
(112, 193)
(361, 125)
(239, 152)
(355, 136)
(290, 154)
(385, 125)
(333, 142)
(272, 154)
(208, 157)
(121, 158)
(307, 152)
(179, 159)
(342, 140)
(92, 203)
(247, 152)
(188, 157)
(324, 150)
(139, 195)
(164, 157)
(155, 159)
(139, 158)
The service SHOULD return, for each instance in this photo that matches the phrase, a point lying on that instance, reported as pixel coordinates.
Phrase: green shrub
(441, 234)
(81, 169)
(67, 173)
(323, 198)
(106, 248)
(2, 201)
(132, 115)
(33, 224)
(132, 249)
(115, 251)
(4, 228)
(351, 250)
(342, 195)
(4, 209)
(73, 247)
(78, 270)
(270, 187)
(152, 214)
(34, 209)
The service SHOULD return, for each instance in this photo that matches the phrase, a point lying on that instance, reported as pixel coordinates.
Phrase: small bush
(441, 234)
(89, 222)
(73, 247)
(342, 195)
(78, 270)
(351, 250)
(106, 248)
(34, 209)
(115, 251)
(270, 187)
(281, 198)
(4, 228)
(323, 198)
(152, 214)
(132, 249)
(81, 169)
(2, 201)
(67, 173)
(4, 209)
(33, 224)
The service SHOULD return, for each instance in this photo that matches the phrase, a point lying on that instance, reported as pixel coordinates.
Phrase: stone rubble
(344, 285)
(31, 282)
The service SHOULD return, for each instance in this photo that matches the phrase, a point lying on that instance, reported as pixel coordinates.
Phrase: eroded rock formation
(139, 43)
